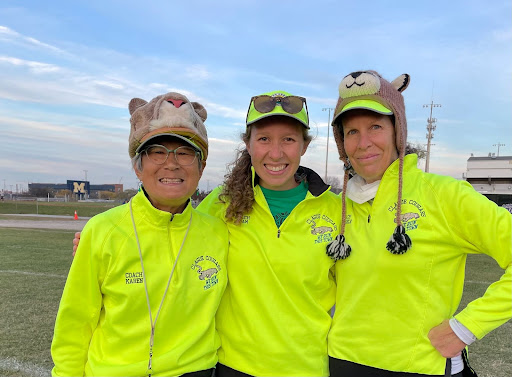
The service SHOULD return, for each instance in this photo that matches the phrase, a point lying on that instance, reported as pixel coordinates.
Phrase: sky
(69, 68)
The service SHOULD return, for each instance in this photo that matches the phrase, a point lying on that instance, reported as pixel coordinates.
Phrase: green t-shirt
(281, 203)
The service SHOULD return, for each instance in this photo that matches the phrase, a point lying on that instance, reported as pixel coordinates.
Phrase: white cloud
(109, 84)
(223, 111)
(35, 67)
(197, 72)
(504, 35)
(9, 35)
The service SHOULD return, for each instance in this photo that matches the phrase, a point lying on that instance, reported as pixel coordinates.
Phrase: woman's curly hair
(237, 189)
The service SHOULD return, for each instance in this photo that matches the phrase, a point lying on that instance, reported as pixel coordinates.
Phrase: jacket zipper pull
(369, 217)
(278, 233)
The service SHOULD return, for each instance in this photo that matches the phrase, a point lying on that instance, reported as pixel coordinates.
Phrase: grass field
(33, 271)
(34, 265)
(54, 208)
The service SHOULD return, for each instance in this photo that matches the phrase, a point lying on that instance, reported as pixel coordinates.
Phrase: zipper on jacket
(295, 209)
(172, 217)
(370, 210)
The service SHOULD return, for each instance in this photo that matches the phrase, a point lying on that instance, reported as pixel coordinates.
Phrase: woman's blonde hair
(237, 188)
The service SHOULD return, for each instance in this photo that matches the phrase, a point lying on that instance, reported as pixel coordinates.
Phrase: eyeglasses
(290, 104)
(158, 154)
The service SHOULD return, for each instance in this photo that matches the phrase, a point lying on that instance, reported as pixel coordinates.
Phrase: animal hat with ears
(167, 114)
(368, 90)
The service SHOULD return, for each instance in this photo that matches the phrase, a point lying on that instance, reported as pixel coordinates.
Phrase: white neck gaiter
(359, 191)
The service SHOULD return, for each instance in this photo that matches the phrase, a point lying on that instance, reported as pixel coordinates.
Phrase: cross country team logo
(207, 269)
(322, 227)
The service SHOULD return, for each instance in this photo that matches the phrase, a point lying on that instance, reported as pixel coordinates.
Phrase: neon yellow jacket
(274, 317)
(387, 304)
(103, 326)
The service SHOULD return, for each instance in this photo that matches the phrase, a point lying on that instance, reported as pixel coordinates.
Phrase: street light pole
(327, 149)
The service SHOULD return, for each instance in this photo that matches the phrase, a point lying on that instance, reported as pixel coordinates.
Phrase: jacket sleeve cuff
(462, 331)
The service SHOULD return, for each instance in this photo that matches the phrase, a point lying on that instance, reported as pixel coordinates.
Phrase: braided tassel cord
(399, 242)
(338, 249)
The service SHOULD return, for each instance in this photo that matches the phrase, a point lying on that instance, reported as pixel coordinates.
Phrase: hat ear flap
(135, 103)
(200, 110)
(401, 82)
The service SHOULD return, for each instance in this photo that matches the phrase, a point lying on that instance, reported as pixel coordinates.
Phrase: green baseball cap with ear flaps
(254, 115)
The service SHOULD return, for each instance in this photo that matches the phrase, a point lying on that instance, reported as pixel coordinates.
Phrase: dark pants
(343, 368)
(201, 373)
(225, 371)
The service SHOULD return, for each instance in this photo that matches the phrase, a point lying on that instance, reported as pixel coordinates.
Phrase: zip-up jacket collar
(157, 217)
(316, 185)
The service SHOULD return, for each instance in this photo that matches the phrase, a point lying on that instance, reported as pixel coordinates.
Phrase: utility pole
(430, 128)
(85, 195)
(327, 149)
(498, 145)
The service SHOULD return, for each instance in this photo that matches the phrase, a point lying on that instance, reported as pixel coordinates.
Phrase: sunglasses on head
(290, 104)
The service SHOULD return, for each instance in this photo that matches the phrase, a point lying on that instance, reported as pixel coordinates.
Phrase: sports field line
(33, 273)
(10, 364)
(18, 247)
(478, 282)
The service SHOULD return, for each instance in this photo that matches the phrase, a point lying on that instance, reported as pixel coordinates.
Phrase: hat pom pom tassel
(399, 242)
(338, 249)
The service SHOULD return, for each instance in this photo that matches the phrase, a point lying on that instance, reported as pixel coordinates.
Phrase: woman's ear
(305, 147)
(138, 172)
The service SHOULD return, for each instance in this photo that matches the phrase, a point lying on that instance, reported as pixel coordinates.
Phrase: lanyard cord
(153, 324)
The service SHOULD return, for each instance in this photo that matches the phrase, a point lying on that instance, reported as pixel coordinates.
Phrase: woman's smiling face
(369, 141)
(170, 185)
(276, 145)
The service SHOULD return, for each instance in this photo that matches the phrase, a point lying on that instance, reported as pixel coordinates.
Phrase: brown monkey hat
(167, 114)
(368, 90)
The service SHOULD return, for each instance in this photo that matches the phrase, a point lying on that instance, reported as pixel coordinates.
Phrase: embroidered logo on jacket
(409, 220)
(207, 269)
(405, 217)
(409, 216)
(322, 227)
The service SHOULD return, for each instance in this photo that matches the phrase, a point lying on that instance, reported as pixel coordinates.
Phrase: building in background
(76, 189)
(492, 177)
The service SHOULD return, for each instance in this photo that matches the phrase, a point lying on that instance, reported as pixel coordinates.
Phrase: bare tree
(335, 184)
(417, 148)
(126, 195)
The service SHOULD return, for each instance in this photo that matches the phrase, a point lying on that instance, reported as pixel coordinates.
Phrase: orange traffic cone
(76, 216)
